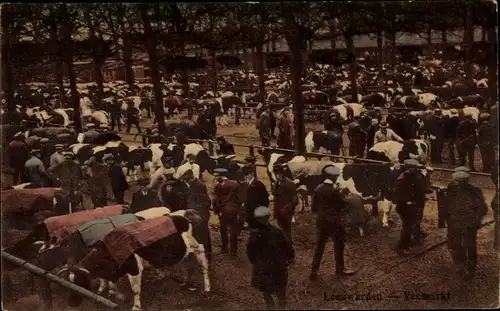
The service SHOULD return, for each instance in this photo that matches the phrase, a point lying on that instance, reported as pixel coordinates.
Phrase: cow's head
(78, 276)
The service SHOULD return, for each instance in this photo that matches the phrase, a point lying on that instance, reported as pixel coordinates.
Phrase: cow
(461, 102)
(330, 141)
(168, 249)
(375, 100)
(63, 116)
(347, 112)
(396, 152)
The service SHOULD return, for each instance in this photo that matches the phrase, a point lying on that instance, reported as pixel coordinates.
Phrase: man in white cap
(270, 254)
(328, 204)
(90, 134)
(386, 134)
(57, 157)
(35, 170)
(465, 209)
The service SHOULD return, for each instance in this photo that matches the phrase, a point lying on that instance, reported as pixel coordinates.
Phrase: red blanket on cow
(28, 200)
(124, 241)
(61, 227)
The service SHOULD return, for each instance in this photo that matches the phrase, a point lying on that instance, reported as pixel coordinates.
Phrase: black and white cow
(396, 152)
(461, 102)
(321, 141)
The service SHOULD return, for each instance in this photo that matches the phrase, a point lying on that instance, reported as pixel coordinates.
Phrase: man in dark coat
(487, 138)
(285, 201)
(225, 147)
(270, 254)
(370, 134)
(199, 200)
(117, 178)
(254, 194)
(466, 208)
(357, 140)
(466, 141)
(409, 196)
(328, 204)
(264, 127)
(18, 155)
(450, 133)
(227, 205)
(90, 134)
(436, 133)
(133, 118)
(114, 110)
(97, 181)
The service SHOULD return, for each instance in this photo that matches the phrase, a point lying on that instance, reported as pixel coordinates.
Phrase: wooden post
(237, 115)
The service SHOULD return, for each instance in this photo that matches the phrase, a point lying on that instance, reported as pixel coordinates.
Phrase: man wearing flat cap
(57, 157)
(465, 209)
(270, 254)
(117, 178)
(409, 195)
(227, 205)
(285, 201)
(35, 170)
(328, 204)
(253, 194)
(163, 173)
(90, 134)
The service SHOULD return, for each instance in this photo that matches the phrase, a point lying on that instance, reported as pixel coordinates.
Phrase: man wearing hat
(465, 209)
(254, 194)
(450, 133)
(328, 204)
(264, 126)
(96, 174)
(90, 134)
(487, 138)
(114, 109)
(57, 157)
(18, 155)
(466, 141)
(357, 140)
(386, 134)
(133, 118)
(285, 201)
(35, 170)
(225, 148)
(227, 205)
(117, 178)
(163, 173)
(436, 132)
(270, 254)
(333, 122)
(409, 193)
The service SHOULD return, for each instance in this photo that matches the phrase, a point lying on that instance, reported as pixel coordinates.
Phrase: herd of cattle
(79, 250)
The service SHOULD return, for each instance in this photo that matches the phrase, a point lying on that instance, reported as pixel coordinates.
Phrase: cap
(411, 163)
(44, 140)
(220, 171)
(59, 146)
(457, 176)
(246, 169)
(461, 169)
(90, 125)
(261, 211)
(67, 153)
(377, 109)
(383, 124)
(34, 151)
(107, 156)
(332, 171)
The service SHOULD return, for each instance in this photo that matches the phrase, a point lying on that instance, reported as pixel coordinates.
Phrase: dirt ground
(390, 281)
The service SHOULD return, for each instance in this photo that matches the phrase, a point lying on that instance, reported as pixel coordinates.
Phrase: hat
(250, 159)
(68, 154)
(32, 151)
(411, 163)
(44, 140)
(458, 176)
(461, 169)
(261, 211)
(331, 171)
(383, 124)
(90, 125)
(59, 146)
(108, 156)
(220, 171)
(246, 170)
(377, 109)
(103, 126)
(353, 125)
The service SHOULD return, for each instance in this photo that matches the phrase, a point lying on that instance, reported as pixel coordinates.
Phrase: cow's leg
(102, 286)
(203, 262)
(135, 284)
(386, 206)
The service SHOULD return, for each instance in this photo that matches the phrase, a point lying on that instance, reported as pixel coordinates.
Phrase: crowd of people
(235, 202)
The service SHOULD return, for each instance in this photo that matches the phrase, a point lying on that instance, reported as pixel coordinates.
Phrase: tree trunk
(153, 68)
(246, 57)
(297, 49)
(391, 44)
(349, 40)
(128, 62)
(468, 42)
(492, 66)
(7, 74)
(380, 53)
(68, 59)
(98, 77)
(260, 73)
(60, 80)
(213, 71)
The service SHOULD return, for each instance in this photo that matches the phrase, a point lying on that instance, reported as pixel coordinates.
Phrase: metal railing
(55, 279)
